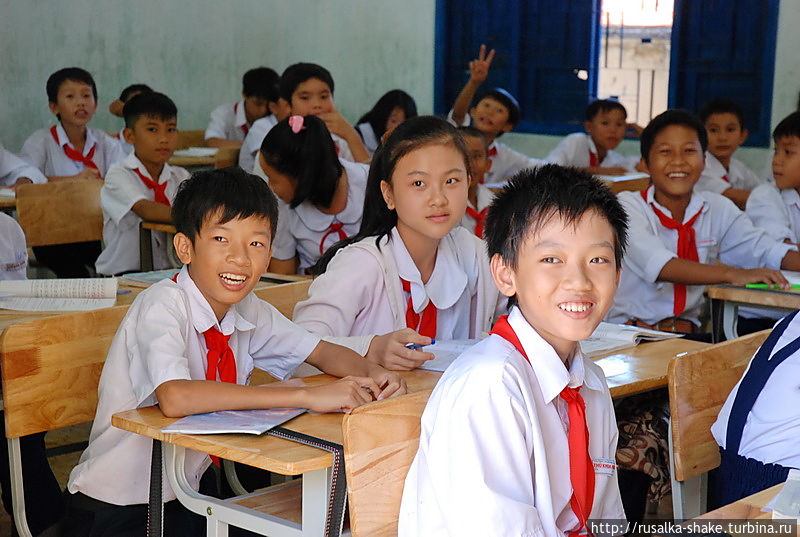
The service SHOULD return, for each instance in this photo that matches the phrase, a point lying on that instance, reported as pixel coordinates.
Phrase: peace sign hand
(479, 68)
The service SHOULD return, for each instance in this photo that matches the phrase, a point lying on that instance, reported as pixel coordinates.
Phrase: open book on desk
(75, 294)
(608, 337)
(233, 421)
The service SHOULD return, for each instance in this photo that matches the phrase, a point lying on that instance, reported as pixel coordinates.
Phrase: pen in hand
(417, 346)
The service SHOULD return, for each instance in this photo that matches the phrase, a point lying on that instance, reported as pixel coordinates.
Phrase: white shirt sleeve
(514, 162)
(217, 126)
(465, 123)
(766, 210)
(646, 254)
(12, 168)
(742, 244)
(13, 252)
(119, 193)
(711, 183)
(34, 151)
(564, 152)
(284, 245)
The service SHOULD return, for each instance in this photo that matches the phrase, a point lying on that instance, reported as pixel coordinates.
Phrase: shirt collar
(318, 221)
(485, 197)
(132, 162)
(240, 118)
(696, 203)
(447, 282)
(790, 196)
(548, 368)
(203, 316)
(714, 166)
(63, 140)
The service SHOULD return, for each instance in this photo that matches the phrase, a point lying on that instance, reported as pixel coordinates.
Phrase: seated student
(142, 186)
(494, 113)
(392, 109)
(479, 197)
(116, 109)
(593, 150)
(411, 273)
(518, 437)
(723, 174)
(15, 172)
(321, 195)
(230, 122)
(182, 335)
(682, 240)
(758, 426)
(279, 110)
(71, 150)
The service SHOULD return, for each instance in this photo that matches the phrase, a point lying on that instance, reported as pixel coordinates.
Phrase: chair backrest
(196, 138)
(51, 368)
(699, 384)
(380, 441)
(61, 212)
(285, 296)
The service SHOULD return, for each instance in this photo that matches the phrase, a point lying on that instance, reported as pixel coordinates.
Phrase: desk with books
(726, 299)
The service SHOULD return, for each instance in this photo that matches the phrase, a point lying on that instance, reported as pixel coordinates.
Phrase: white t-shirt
(252, 142)
(574, 150)
(722, 233)
(228, 121)
(161, 339)
(121, 190)
(12, 168)
(775, 211)
(493, 453)
(739, 176)
(371, 141)
(772, 429)
(13, 253)
(302, 229)
(46, 153)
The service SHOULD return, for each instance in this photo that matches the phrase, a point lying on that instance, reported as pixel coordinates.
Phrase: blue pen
(417, 346)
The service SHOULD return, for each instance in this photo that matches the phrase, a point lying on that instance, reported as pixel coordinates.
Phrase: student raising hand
(479, 68)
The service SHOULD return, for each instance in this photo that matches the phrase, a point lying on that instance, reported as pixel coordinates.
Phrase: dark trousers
(69, 260)
(44, 503)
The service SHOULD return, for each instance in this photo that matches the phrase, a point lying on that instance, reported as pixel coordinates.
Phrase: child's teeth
(574, 307)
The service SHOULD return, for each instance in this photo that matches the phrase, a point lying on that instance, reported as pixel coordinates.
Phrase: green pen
(769, 286)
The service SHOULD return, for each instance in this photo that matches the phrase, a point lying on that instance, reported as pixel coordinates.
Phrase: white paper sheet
(77, 294)
(8, 192)
(446, 352)
(29, 303)
(196, 152)
(233, 421)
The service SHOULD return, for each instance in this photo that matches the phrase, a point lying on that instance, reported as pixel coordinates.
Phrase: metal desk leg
(316, 488)
(145, 249)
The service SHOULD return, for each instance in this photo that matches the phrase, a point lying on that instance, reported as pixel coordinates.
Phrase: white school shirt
(161, 339)
(228, 121)
(493, 453)
(371, 142)
(574, 149)
(13, 252)
(485, 198)
(722, 232)
(739, 176)
(12, 168)
(772, 429)
(301, 229)
(252, 142)
(121, 190)
(775, 211)
(505, 161)
(47, 154)
(360, 294)
(126, 148)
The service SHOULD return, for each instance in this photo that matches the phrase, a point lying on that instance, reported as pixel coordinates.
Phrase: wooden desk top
(8, 202)
(747, 508)
(622, 185)
(758, 297)
(193, 162)
(159, 226)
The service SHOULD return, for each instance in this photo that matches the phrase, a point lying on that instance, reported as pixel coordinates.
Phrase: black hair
(309, 157)
(132, 90)
(469, 131)
(789, 126)
(296, 74)
(506, 99)
(380, 113)
(75, 74)
(232, 192)
(532, 197)
(604, 105)
(151, 104)
(666, 119)
(722, 106)
(377, 219)
(261, 82)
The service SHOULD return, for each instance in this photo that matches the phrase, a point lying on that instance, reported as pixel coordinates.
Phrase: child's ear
(53, 107)
(503, 275)
(745, 134)
(587, 126)
(388, 195)
(643, 166)
(129, 137)
(183, 247)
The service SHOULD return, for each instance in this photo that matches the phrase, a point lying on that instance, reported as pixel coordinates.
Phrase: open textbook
(233, 421)
(77, 294)
(146, 279)
(608, 337)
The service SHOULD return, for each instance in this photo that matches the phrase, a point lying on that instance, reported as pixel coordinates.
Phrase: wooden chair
(60, 213)
(699, 384)
(195, 138)
(380, 441)
(50, 371)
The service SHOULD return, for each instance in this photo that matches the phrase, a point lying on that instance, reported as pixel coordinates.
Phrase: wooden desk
(8, 202)
(748, 508)
(193, 162)
(726, 299)
(620, 185)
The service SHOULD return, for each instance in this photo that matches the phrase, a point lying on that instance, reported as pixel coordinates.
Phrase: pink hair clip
(296, 123)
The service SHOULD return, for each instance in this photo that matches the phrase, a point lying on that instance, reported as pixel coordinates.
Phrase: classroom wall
(196, 51)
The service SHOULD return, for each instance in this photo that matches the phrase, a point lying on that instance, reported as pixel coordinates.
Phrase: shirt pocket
(707, 250)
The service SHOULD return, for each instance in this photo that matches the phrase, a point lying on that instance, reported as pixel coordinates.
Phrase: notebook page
(30, 303)
(61, 288)
(446, 352)
(233, 421)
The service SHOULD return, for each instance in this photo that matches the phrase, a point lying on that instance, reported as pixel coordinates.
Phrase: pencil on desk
(769, 286)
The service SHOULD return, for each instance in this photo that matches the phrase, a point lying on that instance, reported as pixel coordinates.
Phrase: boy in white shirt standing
(519, 435)
(479, 197)
(142, 186)
(189, 344)
(723, 174)
(231, 122)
